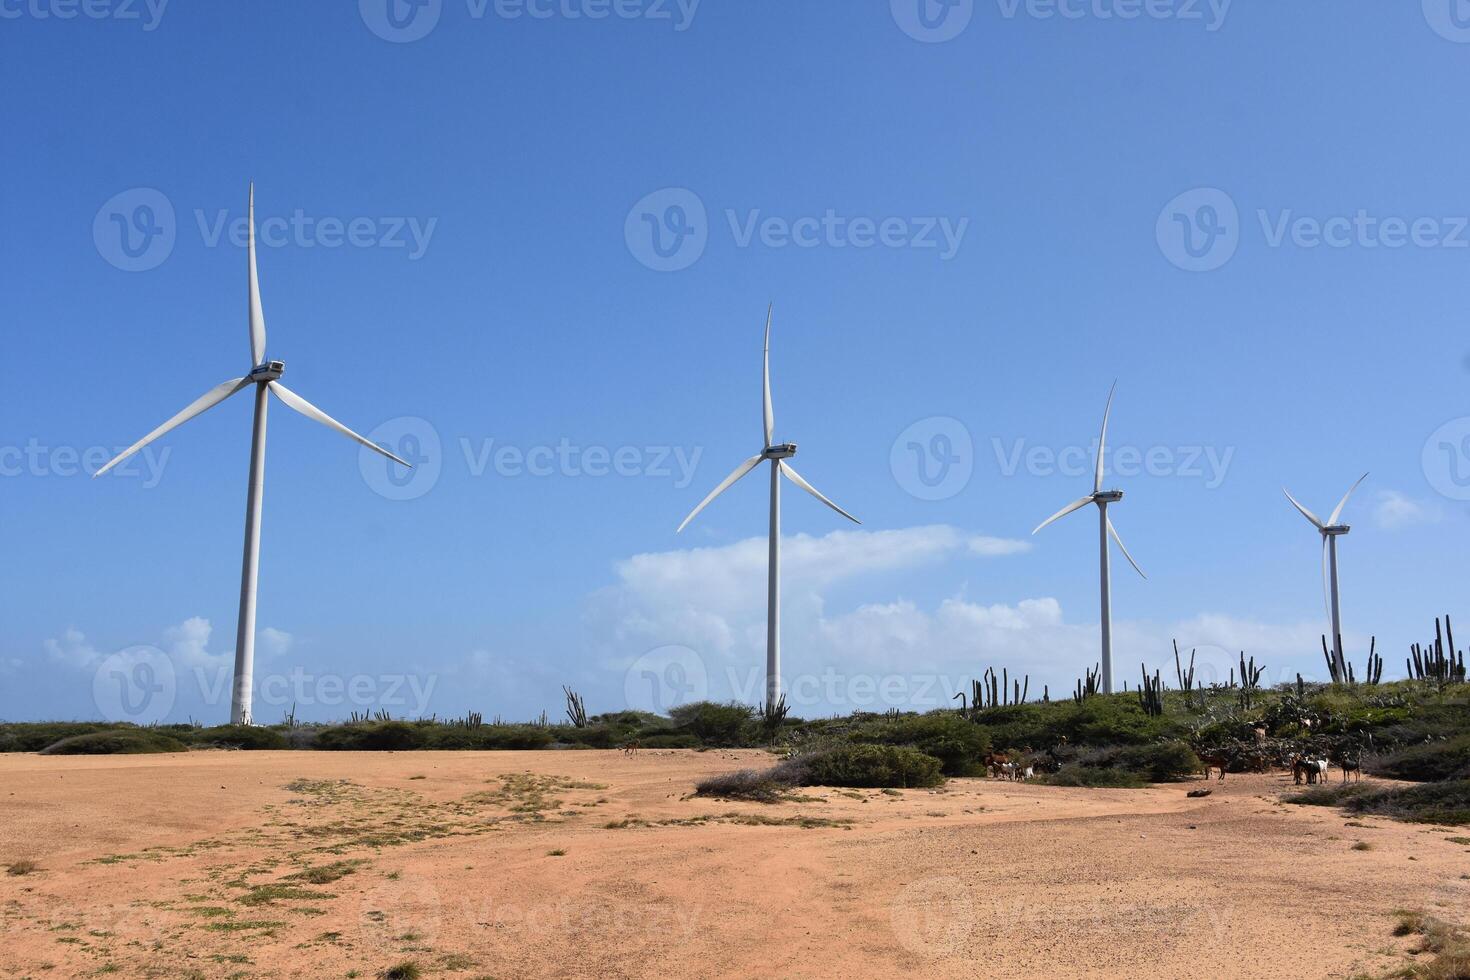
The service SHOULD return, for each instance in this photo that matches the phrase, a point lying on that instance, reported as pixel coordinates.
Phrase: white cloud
(893, 652)
(187, 645)
(1395, 510)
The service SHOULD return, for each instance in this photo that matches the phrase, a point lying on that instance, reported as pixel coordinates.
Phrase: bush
(714, 724)
(873, 766)
(758, 786)
(958, 744)
(239, 737)
(1164, 762)
(1426, 762)
(485, 738)
(1078, 775)
(35, 736)
(384, 736)
(1439, 803)
(134, 741)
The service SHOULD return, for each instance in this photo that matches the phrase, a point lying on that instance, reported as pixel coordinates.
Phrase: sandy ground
(181, 866)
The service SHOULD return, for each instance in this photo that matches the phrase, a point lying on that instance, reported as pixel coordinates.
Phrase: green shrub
(239, 737)
(1439, 803)
(135, 741)
(754, 785)
(1163, 762)
(383, 736)
(35, 736)
(1425, 762)
(1077, 775)
(958, 744)
(485, 738)
(714, 724)
(666, 740)
(873, 766)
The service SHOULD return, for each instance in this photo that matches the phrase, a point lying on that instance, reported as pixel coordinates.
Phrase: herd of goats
(1307, 762)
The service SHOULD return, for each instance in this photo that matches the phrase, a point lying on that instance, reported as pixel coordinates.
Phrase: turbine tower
(265, 377)
(1331, 531)
(778, 456)
(1102, 498)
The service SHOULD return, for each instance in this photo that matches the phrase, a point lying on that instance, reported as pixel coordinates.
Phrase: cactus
(576, 708)
(1091, 687)
(1151, 693)
(1250, 681)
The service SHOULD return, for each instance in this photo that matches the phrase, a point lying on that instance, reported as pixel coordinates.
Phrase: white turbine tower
(264, 376)
(777, 454)
(1331, 531)
(1102, 498)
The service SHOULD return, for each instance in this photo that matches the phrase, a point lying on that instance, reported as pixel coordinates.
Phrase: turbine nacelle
(783, 451)
(1336, 530)
(269, 371)
(1107, 496)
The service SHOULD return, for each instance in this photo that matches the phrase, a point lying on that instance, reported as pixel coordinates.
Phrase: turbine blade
(1316, 521)
(299, 404)
(797, 479)
(199, 406)
(770, 415)
(1074, 505)
(729, 481)
(1124, 548)
(1337, 512)
(257, 315)
(1102, 440)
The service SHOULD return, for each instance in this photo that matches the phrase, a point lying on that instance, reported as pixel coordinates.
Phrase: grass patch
(407, 970)
(1438, 803)
(327, 873)
(119, 742)
(1447, 944)
(1362, 845)
(1073, 774)
(556, 853)
(277, 891)
(19, 868)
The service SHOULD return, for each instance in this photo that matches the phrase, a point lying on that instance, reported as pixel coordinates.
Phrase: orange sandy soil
(153, 866)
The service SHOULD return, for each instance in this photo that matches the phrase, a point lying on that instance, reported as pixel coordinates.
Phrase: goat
(1028, 773)
(1301, 769)
(1215, 760)
(631, 748)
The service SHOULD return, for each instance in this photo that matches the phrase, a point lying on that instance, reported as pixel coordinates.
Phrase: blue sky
(968, 238)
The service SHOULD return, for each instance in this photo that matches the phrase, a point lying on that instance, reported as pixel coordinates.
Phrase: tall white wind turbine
(1102, 498)
(778, 456)
(1331, 530)
(265, 377)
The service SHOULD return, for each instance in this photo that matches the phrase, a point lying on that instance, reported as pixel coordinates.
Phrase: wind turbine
(1331, 531)
(1102, 498)
(778, 455)
(265, 377)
